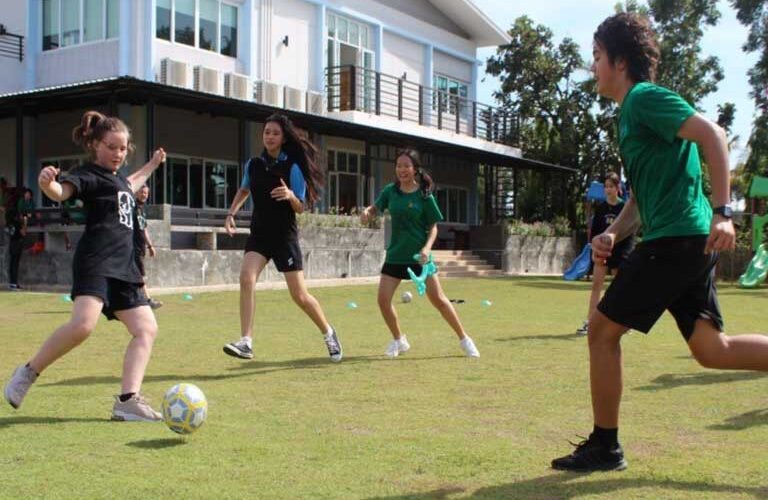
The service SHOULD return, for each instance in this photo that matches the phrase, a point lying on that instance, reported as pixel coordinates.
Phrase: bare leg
(442, 304)
(250, 270)
(85, 315)
(142, 326)
(713, 349)
(305, 300)
(605, 369)
(387, 287)
(597, 287)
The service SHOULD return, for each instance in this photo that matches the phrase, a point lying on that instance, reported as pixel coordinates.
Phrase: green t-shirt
(663, 169)
(412, 216)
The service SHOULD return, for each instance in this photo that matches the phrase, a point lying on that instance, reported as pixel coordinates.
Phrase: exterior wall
(11, 69)
(192, 134)
(293, 65)
(425, 12)
(78, 63)
(448, 65)
(194, 57)
(538, 255)
(403, 56)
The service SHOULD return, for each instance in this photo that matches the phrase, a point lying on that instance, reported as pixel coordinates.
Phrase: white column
(319, 58)
(124, 40)
(150, 25)
(379, 46)
(246, 33)
(34, 42)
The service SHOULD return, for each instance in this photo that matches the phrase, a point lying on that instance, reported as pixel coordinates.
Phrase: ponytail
(94, 126)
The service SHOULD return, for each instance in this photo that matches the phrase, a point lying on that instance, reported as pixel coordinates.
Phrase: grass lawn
(430, 424)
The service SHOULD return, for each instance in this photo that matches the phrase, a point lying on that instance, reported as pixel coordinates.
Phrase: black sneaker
(333, 345)
(590, 455)
(155, 304)
(239, 349)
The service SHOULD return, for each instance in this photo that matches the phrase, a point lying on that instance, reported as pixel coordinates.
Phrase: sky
(578, 19)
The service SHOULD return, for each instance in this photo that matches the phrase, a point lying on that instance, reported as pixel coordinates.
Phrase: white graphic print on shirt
(126, 203)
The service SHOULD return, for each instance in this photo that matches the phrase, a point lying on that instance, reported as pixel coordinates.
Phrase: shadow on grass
(558, 285)
(247, 368)
(744, 421)
(157, 444)
(552, 336)
(12, 421)
(66, 311)
(567, 485)
(672, 380)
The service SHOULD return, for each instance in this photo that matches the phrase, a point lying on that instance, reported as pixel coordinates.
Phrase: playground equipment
(758, 267)
(580, 265)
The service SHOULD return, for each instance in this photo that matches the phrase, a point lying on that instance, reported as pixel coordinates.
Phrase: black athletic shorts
(116, 294)
(400, 271)
(286, 254)
(140, 264)
(672, 274)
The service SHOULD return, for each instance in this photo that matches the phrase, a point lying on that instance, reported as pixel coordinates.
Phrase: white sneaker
(136, 409)
(16, 388)
(584, 329)
(469, 347)
(397, 347)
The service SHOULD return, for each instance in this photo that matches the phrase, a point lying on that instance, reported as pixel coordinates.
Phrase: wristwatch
(723, 211)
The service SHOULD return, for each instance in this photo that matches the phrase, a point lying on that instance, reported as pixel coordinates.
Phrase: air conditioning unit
(267, 93)
(173, 72)
(237, 86)
(315, 103)
(206, 80)
(294, 99)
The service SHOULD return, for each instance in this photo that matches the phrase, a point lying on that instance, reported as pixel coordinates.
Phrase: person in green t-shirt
(673, 268)
(415, 215)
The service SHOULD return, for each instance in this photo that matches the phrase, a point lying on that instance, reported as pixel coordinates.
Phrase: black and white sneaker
(333, 345)
(591, 455)
(239, 349)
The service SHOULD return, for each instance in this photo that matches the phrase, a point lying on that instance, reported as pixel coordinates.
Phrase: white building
(198, 77)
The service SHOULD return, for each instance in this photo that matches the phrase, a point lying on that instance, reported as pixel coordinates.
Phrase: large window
(453, 203)
(348, 186)
(453, 95)
(195, 183)
(205, 24)
(72, 22)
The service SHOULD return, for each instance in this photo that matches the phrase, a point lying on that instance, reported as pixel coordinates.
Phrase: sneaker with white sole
(16, 388)
(397, 347)
(136, 409)
(468, 346)
(240, 349)
(333, 345)
(584, 329)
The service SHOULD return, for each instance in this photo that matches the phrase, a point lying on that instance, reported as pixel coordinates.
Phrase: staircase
(463, 264)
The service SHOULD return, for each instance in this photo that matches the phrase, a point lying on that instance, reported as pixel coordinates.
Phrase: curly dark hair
(629, 36)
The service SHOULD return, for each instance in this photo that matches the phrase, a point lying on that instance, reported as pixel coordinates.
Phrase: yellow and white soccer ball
(184, 408)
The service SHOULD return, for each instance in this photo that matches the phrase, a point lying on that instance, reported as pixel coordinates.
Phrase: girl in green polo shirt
(415, 216)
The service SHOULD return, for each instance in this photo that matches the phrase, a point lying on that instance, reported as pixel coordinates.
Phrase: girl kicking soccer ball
(105, 277)
(414, 215)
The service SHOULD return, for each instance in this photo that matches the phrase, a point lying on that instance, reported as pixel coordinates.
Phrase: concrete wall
(78, 63)
(537, 255)
(11, 69)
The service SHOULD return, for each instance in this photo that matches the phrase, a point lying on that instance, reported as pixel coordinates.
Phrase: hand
(158, 157)
(151, 251)
(282, 193)
(602, 247)
(364, 216)
(423, 256)
(47, 176)
(229, 225)
(722, 236)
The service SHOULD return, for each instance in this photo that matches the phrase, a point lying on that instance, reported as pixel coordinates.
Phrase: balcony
(11, 45)
(352, 88)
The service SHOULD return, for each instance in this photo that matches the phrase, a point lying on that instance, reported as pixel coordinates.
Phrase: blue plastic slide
(580, 266)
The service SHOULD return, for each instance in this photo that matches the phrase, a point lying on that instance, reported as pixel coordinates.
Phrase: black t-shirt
(274, 220)
(605, 214)
(15, 229)
(106, 248)
(139, 225)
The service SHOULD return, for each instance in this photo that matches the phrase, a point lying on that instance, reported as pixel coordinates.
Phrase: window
(205, 24)
(453, 95)
(72, 22)
(64, 163)
(452, 202)
(195, 183)
(348, 184)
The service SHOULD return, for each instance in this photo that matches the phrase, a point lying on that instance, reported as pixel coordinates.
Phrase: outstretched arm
(139, 178)
(52, 188)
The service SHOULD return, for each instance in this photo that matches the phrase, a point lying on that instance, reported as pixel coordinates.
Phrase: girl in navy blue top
(279, 182)
(105, 277)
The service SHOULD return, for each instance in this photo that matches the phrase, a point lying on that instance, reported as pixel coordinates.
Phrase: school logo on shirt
(125, 203)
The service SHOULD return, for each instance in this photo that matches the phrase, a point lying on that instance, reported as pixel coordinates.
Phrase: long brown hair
(426, 185)
(94, 126)
(300, 150)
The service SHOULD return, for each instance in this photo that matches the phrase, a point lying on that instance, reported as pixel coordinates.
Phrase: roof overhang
(471, 19)
(130, 90)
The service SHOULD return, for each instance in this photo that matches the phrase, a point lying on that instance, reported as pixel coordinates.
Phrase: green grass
(431, 424)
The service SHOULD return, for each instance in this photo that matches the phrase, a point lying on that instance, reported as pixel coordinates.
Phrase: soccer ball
(184, 408)
(406, 297)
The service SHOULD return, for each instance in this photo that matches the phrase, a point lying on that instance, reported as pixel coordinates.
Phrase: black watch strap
(723, 211)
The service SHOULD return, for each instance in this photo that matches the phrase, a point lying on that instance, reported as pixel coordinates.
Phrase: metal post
(439, 110)
(400, 99)
(458, 114)
(378, 93)
(19, 146)
(474, 118)
(421, 104)
(353, 86)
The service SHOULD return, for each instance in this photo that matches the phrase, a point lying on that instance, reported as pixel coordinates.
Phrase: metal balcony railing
(352, 88)
(11, 45)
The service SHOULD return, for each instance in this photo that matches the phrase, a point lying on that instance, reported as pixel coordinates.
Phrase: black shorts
(286, 254)
(671, 274)
(140, 264)
(116, 294)
(400, 271)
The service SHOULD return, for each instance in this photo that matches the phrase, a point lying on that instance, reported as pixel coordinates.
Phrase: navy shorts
(116, 294)
(286, 254)
(672, 274)
(400, 271)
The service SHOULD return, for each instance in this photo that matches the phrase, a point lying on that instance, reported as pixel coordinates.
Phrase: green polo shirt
(663, 169)
(412, 216)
